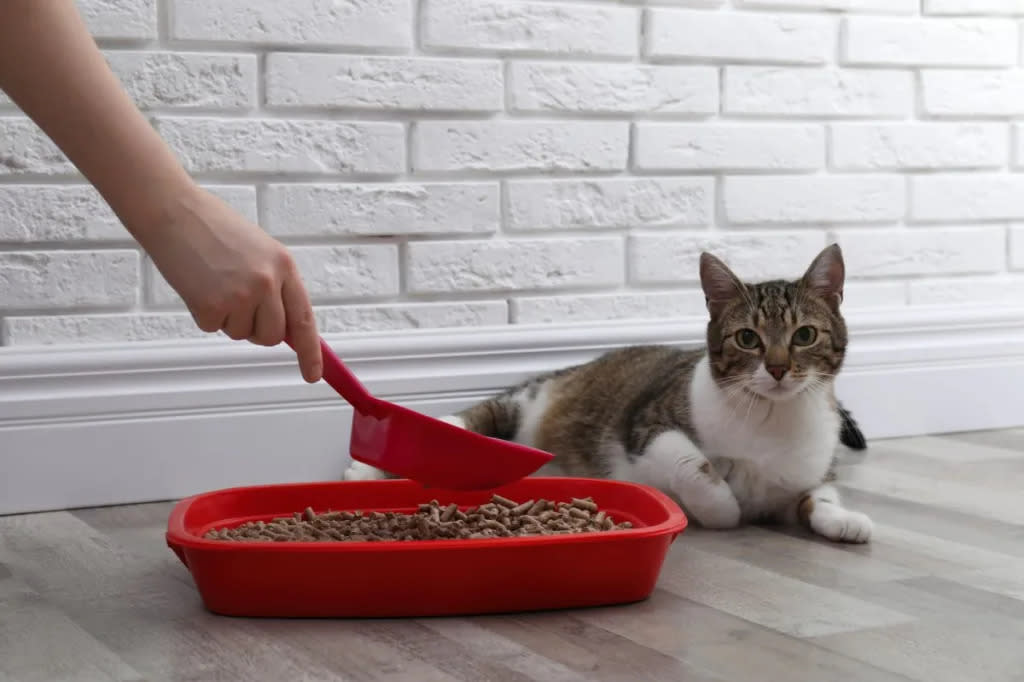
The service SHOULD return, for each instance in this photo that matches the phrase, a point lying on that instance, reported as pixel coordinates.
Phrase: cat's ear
(826, 276)
(719, 283)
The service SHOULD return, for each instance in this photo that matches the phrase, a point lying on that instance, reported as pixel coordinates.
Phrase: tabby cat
(741, 431)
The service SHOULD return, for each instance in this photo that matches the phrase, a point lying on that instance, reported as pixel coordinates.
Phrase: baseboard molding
(97, 425)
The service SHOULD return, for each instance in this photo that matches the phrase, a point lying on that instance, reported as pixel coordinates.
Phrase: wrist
(149, 210)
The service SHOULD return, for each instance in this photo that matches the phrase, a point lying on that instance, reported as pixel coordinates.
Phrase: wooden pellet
(538, 507)
(522, 508)
(501, 517)
(587, 504)
(503, 501)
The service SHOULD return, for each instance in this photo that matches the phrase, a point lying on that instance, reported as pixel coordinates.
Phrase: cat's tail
(849, 432)
(502, 415)
(496, 417)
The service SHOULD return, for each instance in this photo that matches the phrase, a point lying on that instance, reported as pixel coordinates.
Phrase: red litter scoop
(412, 445)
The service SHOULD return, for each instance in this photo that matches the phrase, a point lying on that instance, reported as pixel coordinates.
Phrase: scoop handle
(342, 380)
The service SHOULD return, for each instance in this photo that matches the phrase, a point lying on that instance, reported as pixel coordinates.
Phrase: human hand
(231, 274)
(235, 277)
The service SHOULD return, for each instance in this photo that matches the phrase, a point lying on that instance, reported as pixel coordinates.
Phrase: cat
(743, 430)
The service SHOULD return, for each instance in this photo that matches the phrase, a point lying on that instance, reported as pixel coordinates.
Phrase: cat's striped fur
(742, 430)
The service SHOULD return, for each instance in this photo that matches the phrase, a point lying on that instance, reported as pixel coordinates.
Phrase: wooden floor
(939, 595)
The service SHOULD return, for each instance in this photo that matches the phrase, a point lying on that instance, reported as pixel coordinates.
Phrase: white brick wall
(448, 163)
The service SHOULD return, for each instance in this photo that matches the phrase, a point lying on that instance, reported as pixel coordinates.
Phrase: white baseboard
(97, 425)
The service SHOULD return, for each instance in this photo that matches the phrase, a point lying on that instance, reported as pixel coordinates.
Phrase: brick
(395, 316)
(861, 294)
(107, 328)
(610, 203)
(829, 92)
(727, 146)
(675, 258)
(887, 146)
(186, 79)
(384, 83)
(348, 271)
(976, 7)
(814, 199)
(1017, 248)
(53, 279)
(903, 252)
(1018, 136)
(515, 26)
(520, 145)
(600, 88)
(329, 272)
(596, 307)
(253, 145)
(69, 213)
(306, 23)
(121, 327)
(737, 36)
(120, 19)
(514, 265)
(25, 149)
(997, 290)
(976, 92)
(967, 196)
(41, 213)
(873, 6)
(930, 42)
(382, 209)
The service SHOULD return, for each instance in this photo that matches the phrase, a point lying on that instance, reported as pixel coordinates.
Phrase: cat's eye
(747, 339)
(804, 336)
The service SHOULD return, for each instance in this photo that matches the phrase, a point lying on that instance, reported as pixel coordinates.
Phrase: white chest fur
(768, 452)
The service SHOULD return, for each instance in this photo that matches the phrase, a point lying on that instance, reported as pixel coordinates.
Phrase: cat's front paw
(841, 525)
(718, 510)
(357, 471)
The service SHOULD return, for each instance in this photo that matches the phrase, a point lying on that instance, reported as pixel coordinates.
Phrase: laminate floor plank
(598, 654)
(39, 643)
(802, 556)
(997, 473)
(947, 450)
(737, 649)
(955, 635)
(1010, 439)
(95, 594)
(983, 501)
(775, 601)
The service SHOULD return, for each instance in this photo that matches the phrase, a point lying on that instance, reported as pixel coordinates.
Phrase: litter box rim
(674, 523)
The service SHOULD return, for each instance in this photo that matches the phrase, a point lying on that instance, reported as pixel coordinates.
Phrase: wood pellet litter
(501, 517)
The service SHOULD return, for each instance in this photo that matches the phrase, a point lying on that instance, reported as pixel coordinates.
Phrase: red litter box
(421, 577)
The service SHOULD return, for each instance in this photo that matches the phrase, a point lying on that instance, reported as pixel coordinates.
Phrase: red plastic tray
(421, 578)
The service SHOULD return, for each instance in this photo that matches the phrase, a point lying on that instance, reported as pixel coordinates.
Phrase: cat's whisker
(754, 398)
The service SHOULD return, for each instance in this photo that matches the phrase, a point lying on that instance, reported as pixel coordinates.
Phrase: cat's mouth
(777, 390)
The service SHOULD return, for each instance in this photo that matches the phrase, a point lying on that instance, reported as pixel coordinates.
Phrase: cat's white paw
(717, 509)
(841, 525)
(357, 471)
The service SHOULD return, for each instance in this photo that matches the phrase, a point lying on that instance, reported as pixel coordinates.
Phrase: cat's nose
(777, 371)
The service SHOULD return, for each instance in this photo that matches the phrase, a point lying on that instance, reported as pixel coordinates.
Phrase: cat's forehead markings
(773, 301)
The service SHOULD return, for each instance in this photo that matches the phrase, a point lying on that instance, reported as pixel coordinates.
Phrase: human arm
(230, 273)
